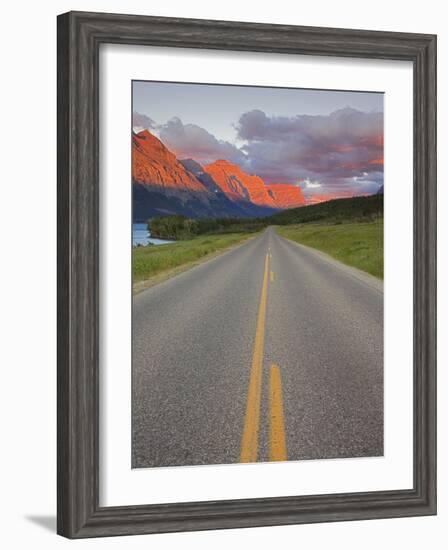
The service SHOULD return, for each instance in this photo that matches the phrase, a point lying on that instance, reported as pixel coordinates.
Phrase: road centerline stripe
(277, 438)
(249, 442)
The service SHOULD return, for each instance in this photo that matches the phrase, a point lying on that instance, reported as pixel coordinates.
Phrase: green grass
(148, 261)
(356, 244)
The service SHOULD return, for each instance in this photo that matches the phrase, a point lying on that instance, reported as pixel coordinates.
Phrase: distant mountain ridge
(164, 184)
(241, 208)
(238, 185)
(286, 195)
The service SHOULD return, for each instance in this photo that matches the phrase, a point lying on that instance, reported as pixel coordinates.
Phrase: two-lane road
(268, 352)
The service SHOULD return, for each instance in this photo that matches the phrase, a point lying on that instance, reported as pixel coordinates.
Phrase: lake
(141, 235)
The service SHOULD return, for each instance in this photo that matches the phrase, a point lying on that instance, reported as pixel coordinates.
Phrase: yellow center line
(277, 439)
(249, 442)
(272, 276)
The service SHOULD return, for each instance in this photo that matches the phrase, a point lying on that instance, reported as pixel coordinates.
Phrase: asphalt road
(269, 352)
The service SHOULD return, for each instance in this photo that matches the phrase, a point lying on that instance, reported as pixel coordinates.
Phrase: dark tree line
(179, 227)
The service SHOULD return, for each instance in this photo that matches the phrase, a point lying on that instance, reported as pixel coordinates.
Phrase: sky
(328, 142)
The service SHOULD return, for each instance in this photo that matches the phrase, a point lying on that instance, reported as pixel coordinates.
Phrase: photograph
(257, 274)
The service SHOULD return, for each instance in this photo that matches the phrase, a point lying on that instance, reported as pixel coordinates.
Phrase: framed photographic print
(246, 274)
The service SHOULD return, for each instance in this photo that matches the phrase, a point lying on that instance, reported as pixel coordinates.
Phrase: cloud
(192, 141)
(308, 184)
(343, 151)
(142, 122)
(340, 154)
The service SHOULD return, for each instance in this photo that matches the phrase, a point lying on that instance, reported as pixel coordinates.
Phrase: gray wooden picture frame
(79, 38)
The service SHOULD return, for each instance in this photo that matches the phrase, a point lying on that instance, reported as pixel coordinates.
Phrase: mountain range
(164, 184)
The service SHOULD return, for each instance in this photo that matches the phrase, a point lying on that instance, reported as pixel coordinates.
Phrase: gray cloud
(142, 122)
(340, 151)
(192, 141)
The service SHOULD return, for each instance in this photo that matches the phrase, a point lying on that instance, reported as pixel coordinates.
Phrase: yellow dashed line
(277, 439)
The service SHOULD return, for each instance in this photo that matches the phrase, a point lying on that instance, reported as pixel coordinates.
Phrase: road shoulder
(366, 278)
(140, 286)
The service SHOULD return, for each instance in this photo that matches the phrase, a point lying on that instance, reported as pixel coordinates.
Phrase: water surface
(141, 236)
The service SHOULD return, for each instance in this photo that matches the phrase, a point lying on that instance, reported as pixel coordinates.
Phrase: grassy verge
(156, 263)
(356, 244)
